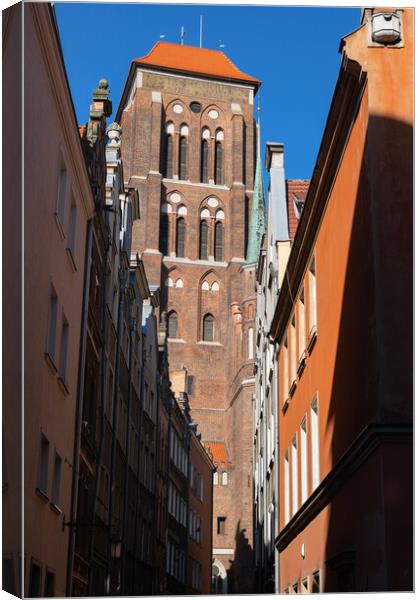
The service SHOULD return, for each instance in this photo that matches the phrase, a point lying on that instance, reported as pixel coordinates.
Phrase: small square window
(221, 525)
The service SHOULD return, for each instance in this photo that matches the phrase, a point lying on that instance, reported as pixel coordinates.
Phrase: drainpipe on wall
(79, 410)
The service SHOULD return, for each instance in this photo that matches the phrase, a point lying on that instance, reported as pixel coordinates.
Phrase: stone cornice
(46, 28)
(367, 441)
(346, 100)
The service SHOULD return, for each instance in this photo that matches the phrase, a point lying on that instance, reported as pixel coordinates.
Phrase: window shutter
(218, 164)
(218, 242)
(204, 230)
(183, 158)
(180, 237)
(204, 161)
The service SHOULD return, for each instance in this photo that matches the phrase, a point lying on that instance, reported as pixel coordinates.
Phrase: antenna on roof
(221, 44)
(201, 31)
(182, 35)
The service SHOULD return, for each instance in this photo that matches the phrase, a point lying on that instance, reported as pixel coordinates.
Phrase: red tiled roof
(218, 451)
(296, 192)
(193, 60)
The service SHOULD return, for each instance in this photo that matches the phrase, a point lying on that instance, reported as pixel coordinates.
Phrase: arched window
(180, 237)
(164, 234)
(208, 328)
(218, 241)
(172, 325)
(204, 161)
(218, 158)
(169, 153)
(183, 157)
(224, 478)
(204, 233)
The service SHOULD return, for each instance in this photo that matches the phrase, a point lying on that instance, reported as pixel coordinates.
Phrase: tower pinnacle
(258, 219)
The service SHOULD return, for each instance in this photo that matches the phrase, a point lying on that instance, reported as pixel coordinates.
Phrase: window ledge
(177, 340)
(55, 508)
(50, 362)
(71, 260)
(313, 335)
(63, 386)
(41, 494)
(203, 343)
(302, 364)
(59, 226)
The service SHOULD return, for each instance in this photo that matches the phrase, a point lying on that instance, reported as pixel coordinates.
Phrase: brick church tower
(189, 148)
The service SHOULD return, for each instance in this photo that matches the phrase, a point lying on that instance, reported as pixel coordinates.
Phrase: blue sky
(293, 50)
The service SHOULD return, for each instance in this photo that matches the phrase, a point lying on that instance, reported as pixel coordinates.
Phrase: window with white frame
(294, 475)
(215, 478)
(62, 371)
(52, 325)
(315, 442)
(301, 325)
(224, 478)
(285, 371)
(55, 497)
(286, 482)
(60, 209)
(72, 228)
(303, 460)
(292, 369)
(250, 343)
(312, 299)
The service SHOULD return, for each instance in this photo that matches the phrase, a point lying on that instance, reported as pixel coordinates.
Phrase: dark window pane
(208, 328)
(204, 161)
(49, 584)
(183, 158)
(218, 167)
(168, 171)
(204, 230)
(218, 242)
(164, 235)
(35, 581)
(180, 237)
(172, 325)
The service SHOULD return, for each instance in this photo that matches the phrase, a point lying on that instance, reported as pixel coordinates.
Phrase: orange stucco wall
(361, 364)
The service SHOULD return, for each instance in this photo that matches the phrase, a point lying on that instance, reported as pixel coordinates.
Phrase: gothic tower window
(172, 325)
(208, 328)
(218, 158)
(168, 152)
(218, 241)
(204, 174)
(183, 152)
(180, 237)
(204, 234)
(164, 234)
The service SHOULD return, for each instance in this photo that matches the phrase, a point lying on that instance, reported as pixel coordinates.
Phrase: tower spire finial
(258, 219)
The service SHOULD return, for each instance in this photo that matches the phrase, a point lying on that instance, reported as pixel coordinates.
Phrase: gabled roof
(296, 194)
(189, 59)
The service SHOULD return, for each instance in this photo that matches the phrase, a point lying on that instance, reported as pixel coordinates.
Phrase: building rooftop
(218, 451)
(189, 59)
(296, 196)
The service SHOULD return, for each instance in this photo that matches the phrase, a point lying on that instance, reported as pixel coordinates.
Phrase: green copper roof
(257, 225)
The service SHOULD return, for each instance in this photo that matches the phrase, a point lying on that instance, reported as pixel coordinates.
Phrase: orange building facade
(344, 327)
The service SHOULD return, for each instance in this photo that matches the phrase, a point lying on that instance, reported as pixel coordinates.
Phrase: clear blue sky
(294, 51)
